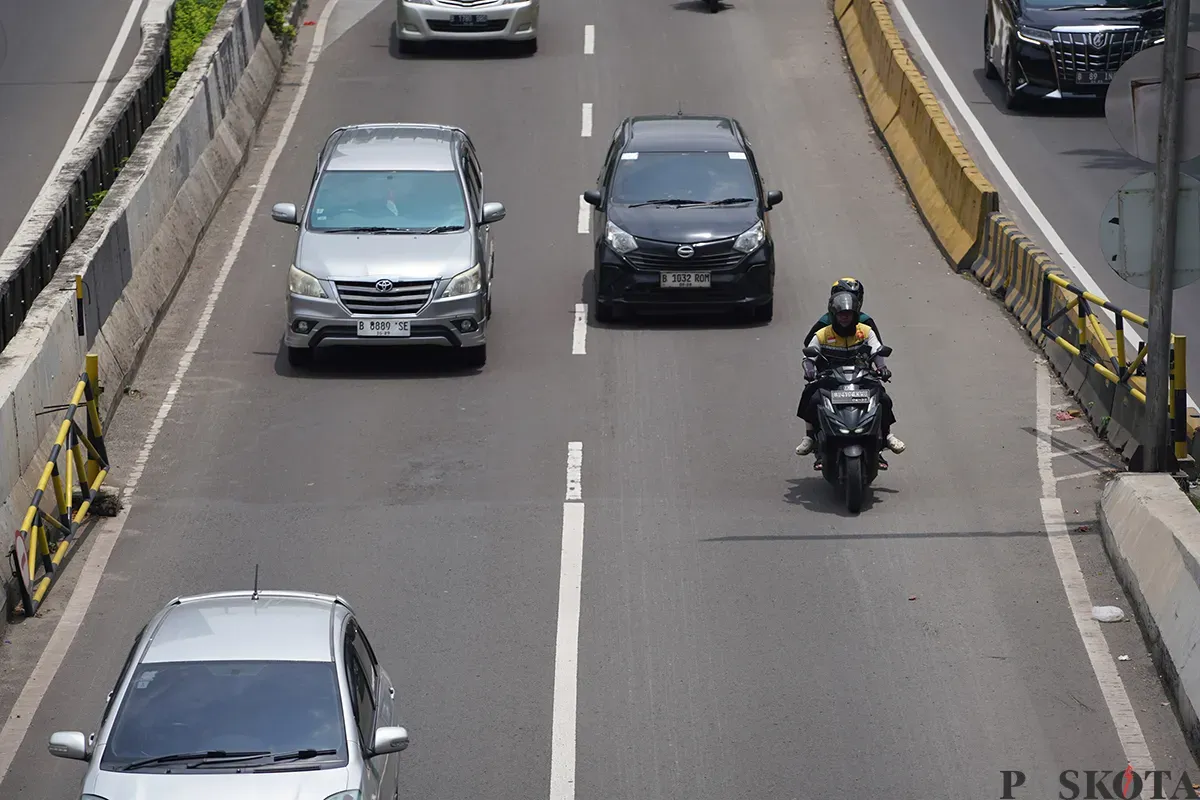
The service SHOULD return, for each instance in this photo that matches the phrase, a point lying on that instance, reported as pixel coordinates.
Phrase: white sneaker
(894, 444)
(805, 447)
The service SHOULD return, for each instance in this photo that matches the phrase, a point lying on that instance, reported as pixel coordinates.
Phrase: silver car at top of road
(246, 695)
(466, 21)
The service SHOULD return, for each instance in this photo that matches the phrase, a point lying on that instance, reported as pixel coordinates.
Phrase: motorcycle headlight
(464, 283)
(752, 239)
(620, 241)
(1034, 35)
(301, 283)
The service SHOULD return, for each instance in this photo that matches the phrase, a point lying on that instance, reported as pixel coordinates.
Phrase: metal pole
(1159, 455)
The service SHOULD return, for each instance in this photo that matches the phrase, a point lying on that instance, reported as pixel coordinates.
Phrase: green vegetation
(276, 11)
(94, 201)
(193, 20)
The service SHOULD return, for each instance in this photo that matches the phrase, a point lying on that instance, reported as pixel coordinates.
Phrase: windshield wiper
(668, 202)
(201, 756)
(730, 201)
(363, 229)
(301, 755)
(443, 229)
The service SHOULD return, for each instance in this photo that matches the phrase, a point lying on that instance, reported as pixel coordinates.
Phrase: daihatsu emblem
(1099, 40)
(384, 285)
(686, 251)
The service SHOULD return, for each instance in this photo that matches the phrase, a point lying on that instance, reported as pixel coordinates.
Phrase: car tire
(989, 69)
(1012, 98)
(475, 357)
(765, 312)
(299, 356)
(605, 312)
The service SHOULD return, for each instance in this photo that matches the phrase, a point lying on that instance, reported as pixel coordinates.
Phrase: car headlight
(92, 797)
(1156, 37)
(620, 241)
(301, 283)
(752, 239)
(1034, 35)
(419, 2)
(346, 795)
(468, 282)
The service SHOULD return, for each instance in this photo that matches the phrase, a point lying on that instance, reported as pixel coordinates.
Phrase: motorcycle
(850, 434)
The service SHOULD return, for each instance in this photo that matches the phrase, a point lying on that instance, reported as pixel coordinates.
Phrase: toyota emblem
(686, 251)
(1099, 40)
(384, 285)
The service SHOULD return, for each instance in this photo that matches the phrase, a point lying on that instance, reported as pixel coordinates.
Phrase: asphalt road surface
(739, 635)
(52, 53)
(1061, 153)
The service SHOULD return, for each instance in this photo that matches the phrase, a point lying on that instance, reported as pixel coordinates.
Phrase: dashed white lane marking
(1129, 731)
(579, 334)
(585, 215)
(23, 711)
(589, 40)
(585, 128)
(566, 649)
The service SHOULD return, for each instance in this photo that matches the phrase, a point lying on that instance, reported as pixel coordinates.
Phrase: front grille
(642, 259)
(1074, 52)
(405, 297)
(467, 3)
(445, 26)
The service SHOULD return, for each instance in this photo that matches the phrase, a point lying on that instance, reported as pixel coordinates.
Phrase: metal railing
(1113, 365)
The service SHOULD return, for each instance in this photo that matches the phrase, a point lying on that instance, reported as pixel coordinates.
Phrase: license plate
(1094, 77)
(685, 280)
(846, 397)
(469, 20)
(384, 327)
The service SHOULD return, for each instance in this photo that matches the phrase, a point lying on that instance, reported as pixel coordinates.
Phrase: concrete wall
(135, 249)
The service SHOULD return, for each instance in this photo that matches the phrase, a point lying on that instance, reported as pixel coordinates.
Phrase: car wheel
(765, 312)
(1012, 98)
(475, 357)
(604, 312)
(989, 69)
(299, 356)
(530, 47)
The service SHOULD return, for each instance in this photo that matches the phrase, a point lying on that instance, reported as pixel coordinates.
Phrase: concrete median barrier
(135, 248)
(1152, 533)
(952, 195)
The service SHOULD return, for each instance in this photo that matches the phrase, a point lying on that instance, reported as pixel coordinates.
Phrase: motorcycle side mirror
(885, 351)
(812, 352)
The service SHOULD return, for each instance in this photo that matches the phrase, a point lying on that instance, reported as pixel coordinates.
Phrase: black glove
(810, 370)
(885, 373)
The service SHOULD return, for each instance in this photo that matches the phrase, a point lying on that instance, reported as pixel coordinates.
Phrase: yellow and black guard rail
(46, 537)
(1109, 363)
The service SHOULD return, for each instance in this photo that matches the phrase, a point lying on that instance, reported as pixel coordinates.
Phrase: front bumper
(513, 22)
(1066, 68)
(315, 322)
(749, 284)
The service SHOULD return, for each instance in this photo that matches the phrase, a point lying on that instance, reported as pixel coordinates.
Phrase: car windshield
(694, 177)
(408, 200)
(1043, 5)
(240, 707)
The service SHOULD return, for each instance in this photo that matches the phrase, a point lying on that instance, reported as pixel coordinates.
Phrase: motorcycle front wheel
(855, 484)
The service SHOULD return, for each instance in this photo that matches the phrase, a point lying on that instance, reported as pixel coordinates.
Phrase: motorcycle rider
(843, 333)
(853, 286)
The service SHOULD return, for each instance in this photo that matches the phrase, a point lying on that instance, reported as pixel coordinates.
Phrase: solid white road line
(30, 699)
(93, 99)
(1129, 731)
(589, 40)
(585, 215)
(585, 129)
(579, 334)
(993, 153)
(566, 649)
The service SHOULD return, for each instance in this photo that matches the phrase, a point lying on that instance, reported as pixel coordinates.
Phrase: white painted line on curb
(585, 129)
(585, 215)
(579, 334)
(589, 40)
(993, 153)
(107, 533)
(566, 648)
(1129, 731)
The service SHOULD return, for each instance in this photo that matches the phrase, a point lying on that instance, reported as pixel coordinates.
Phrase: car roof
(233, 626)
(662, 133)
(394, 147)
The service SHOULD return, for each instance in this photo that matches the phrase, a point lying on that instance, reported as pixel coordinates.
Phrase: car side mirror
(69, 744)
(812, 352)
(285, 213)
(493, 212)
(884, 351)
(389, 740)
(592, 197)
(774, 198)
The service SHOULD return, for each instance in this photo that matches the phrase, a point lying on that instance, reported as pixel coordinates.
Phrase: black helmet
(852, 285)
(843, 301)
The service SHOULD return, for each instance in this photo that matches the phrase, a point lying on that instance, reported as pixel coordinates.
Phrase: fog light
(466, 325)
(302, 326)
